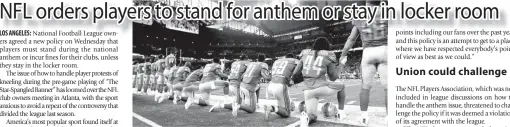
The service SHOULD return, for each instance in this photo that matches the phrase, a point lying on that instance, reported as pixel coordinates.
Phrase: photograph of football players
(317, 63)
(282, 73)
(210, 81)
(180, 76)
(191, 86)
(374, 38)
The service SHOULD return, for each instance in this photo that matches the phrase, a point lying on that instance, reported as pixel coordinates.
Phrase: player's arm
(299, 68)
(333, 71)
(241, 73)
(349, 43)
(219, 73)
(265, 72)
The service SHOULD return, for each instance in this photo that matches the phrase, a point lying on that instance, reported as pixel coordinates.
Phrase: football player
(135, 72)
(169, 68)
(140, 76)
(235, 77)
(374, 38)
(153, 77)
(249, 89)
(171, 77)
(191, 85)
(180, 76)
(161, 81)
(211, 74)
(282, 72)
(236, 73)
(317, 62)
(146, 77)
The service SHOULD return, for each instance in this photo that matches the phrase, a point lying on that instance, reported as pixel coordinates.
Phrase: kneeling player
(140, 77)
(146, 77)
(282, 71)
(153, 77)
(318, 62)
(135, 72)
(161, 81)
(249, 87)
(191, 85)
(211, 74)
(180, 76)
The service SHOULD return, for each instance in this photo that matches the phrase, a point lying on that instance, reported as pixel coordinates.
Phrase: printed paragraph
(450, 105)
(57, 78)
(432, 44)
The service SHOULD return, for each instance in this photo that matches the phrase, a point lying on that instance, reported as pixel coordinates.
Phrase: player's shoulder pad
(305, 52)
(329, 54)
(246, 62)
(294, 60)
(187, 69)
(217, 65)
(264, 65)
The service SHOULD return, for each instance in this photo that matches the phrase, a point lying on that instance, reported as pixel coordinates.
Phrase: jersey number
(235, 69)
(279, 68)
(249, 70)
(311, 64)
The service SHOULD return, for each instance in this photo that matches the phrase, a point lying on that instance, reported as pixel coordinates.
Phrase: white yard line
(350, 102)
(293, 124)
(147, 121)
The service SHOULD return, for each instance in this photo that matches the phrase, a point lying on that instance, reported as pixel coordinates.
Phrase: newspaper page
(291, 63)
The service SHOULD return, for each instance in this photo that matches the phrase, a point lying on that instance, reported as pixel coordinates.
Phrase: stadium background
(199, 41)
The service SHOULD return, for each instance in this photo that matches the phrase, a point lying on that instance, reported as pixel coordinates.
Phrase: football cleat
(215, 107)
(303, 120)
(156, 97)
(235, 108)
(176, 99)
(301, 106)
(188, 103)
(364, 119)
(162, 98)
(340, 115)
(267, 111)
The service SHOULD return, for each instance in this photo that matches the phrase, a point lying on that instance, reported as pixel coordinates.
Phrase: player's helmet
(329, 110)
(216, 60)
(301, 107)
(261, 58)
(243, 57)
(290, 55)
(321, 43)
